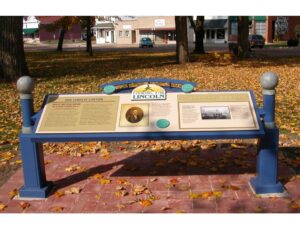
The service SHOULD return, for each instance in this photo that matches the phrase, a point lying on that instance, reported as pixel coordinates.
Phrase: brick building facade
(74, 33)
(268, 27)
(292, 22)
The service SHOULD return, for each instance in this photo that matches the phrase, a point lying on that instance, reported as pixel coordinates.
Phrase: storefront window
(260, 28)
(126, 33)
(171, 36)
(220, 34)
(234, 30)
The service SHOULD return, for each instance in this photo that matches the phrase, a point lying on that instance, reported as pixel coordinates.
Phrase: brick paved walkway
(203, 181)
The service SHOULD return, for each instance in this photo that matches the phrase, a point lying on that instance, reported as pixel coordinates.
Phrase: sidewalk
(201, 178)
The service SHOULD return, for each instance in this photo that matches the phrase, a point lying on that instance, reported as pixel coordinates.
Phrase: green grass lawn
(76, 72)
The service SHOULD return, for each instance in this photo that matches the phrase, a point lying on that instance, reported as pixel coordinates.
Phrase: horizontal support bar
(188, 135)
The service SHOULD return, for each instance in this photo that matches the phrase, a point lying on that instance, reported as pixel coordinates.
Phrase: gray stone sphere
(269, 80)
(25, 85)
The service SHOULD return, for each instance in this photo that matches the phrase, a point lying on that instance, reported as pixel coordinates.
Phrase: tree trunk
(88, 36)
(61, 40)
(12, 56)
(243, 36)
(182, 50)
(199, 33)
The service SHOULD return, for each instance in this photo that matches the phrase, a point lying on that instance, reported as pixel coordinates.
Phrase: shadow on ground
(174, 163)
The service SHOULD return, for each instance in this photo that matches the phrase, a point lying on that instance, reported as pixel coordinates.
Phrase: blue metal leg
(266, 181)
(35, 185)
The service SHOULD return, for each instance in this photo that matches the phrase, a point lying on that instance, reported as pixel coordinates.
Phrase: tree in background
(182, 50)
(199, 33)
(87, 22)
(12, 56)
(243, 37)
(64, 24)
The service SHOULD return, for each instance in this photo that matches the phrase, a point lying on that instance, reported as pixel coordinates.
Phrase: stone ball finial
(25, 85)
(269, 80)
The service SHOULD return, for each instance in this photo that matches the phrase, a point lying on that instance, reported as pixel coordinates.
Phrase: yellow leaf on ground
(145, 202)
(130, 202)
(294, 205)
(48, 162)
(104, 181)
(97, 176)
(57, 209)
(13, 193)
(73, 168)
(105, 153)
(24, 205)
(59, 194)
(218, 194)
(140, 189)
(207, 194)
(194, 195)
(2, 206)
(164, 208)
(258, 209)
(174, 181)
(120, 206)
(123, 181)
(73, 190)
(5, 156)
(179, 211)
(121, 193)
(183, 187)
(97, 196)
(238, 146)
(18, 161)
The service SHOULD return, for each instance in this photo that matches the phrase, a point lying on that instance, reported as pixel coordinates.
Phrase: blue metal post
(35, 184)
(25, 86)
(266, 181)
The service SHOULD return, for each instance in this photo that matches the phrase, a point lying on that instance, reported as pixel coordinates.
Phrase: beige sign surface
(79, 113)
(217, 111)
(101, 113)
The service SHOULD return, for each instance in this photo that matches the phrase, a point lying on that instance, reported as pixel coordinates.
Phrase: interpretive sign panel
(198, 111)
(79, 113)
(217, 111)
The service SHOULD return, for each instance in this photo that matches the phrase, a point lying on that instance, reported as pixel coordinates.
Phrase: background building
(104, 29)
(30, 28)
(273, 28)
(48, 34)
(161, 29)
(215, 29)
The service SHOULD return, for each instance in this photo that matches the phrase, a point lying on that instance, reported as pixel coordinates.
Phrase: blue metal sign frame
(36, 185)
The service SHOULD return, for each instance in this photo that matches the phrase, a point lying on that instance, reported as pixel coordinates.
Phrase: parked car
(256, 40)
(146, 42)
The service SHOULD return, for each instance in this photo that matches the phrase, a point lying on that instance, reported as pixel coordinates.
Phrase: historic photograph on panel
(134, 115)
(215, 112)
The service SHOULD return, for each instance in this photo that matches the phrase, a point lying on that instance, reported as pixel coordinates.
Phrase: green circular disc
(162, 123)
(109, 89)
(187, 88)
